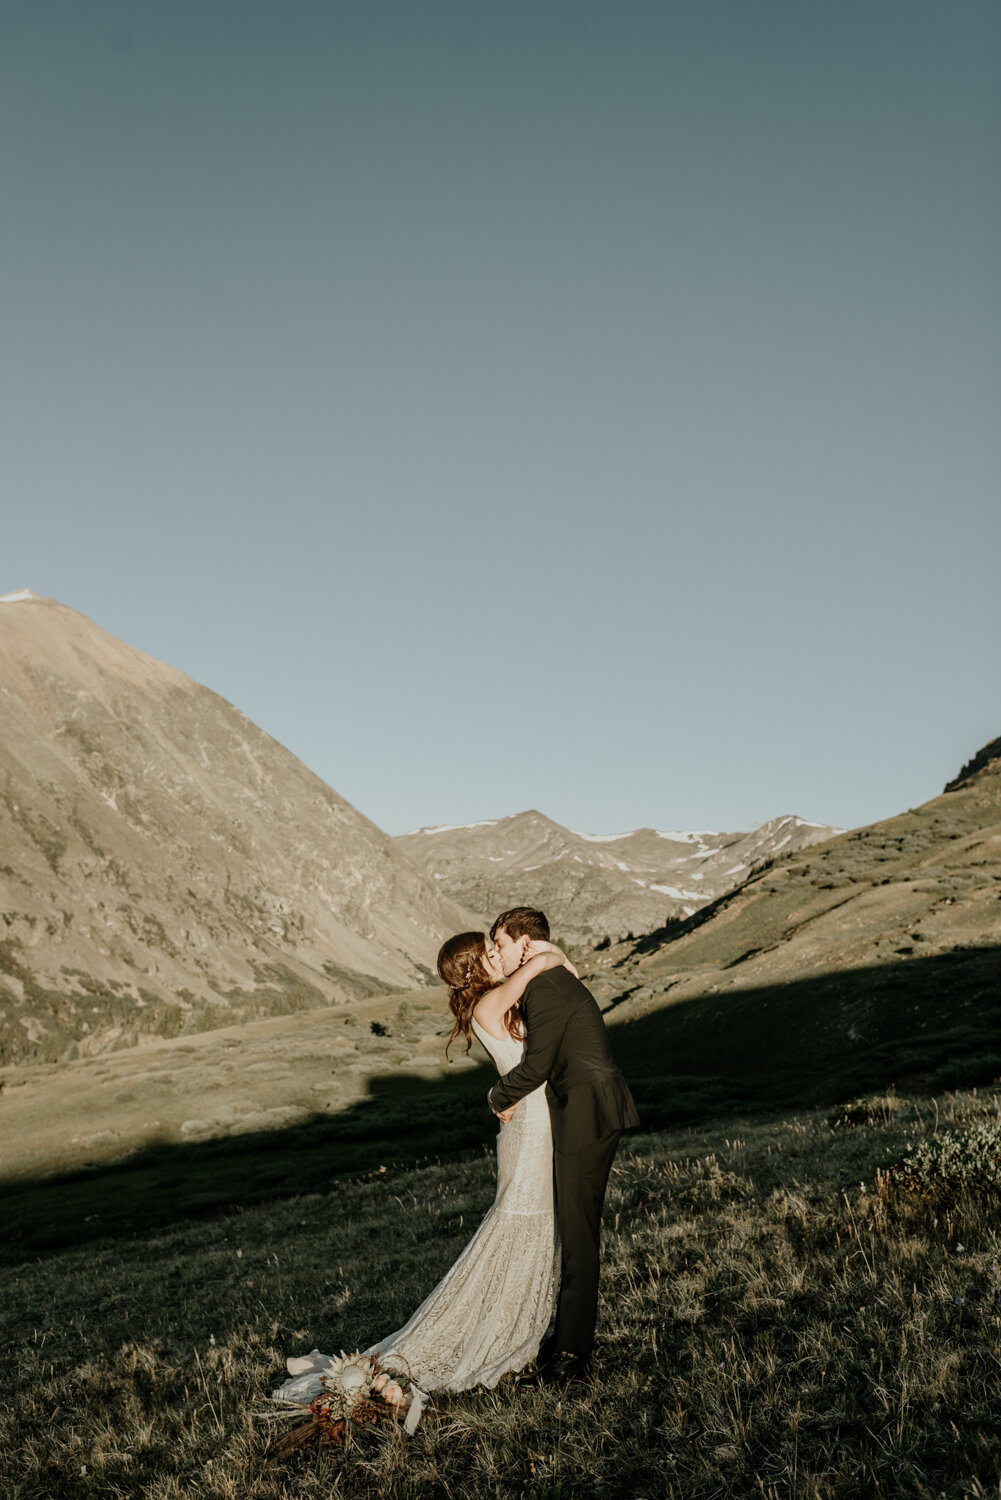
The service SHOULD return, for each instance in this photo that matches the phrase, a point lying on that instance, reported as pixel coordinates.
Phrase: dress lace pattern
(488, 1315)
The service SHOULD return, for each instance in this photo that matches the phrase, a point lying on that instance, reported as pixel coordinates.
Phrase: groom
(589, 1106)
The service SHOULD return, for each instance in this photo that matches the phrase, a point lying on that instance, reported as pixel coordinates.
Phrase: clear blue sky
(591, 407)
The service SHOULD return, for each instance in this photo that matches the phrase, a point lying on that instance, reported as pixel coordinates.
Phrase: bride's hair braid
(461, 965)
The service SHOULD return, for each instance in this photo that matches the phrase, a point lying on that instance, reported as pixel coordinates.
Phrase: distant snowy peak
(699, 836)
(790, 827)
(597, 885)
(17, 596)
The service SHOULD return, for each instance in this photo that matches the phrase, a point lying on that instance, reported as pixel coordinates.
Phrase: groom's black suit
(589, 1105)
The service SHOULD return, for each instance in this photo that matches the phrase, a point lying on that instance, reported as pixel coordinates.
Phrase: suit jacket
(568, 1050)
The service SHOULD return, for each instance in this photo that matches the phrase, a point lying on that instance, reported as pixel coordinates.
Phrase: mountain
(875, 956)
(596, 886)
(979, 761)
(166, 866)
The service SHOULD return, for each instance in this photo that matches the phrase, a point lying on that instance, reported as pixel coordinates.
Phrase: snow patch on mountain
(696, 836)
(599, 838)
(458, 827)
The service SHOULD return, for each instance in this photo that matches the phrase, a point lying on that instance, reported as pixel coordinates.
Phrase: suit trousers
(581, 1179)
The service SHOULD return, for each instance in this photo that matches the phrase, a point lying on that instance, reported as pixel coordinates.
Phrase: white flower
(352, 1375)
(352, 1378)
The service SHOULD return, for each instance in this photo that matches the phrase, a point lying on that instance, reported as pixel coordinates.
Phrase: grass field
(776, 1320)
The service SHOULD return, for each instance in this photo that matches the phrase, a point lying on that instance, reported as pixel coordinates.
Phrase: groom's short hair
(522, 921)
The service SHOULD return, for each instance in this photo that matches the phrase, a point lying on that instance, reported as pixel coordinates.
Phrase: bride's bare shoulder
(496, 1029)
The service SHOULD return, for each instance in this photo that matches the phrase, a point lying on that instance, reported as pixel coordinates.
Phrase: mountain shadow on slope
(923, 1024)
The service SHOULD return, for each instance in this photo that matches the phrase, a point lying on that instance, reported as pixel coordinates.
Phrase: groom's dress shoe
(547, 1352)
(562, 1369)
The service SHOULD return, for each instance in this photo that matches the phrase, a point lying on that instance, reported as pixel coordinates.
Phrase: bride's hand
(537, 946)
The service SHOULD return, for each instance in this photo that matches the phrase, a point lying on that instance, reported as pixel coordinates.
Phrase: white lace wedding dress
(488, 1315)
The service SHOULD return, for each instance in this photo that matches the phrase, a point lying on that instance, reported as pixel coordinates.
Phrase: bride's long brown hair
(462, 965)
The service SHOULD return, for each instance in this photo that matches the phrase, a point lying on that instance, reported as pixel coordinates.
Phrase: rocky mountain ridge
(596, 887)
(977, 763)
(166, 866)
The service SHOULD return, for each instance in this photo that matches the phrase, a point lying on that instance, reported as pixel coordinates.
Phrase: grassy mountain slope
(876, 955)
(263, 1076)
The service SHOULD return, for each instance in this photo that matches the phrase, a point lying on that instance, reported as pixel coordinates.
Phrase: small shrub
(956, 1159)
(870, 1109)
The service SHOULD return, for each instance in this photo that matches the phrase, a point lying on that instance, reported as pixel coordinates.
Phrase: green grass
(775, 1320)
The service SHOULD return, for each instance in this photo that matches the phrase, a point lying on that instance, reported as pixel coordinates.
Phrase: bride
(486, 1318)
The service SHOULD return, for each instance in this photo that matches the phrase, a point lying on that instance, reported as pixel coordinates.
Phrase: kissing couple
(562, 1104)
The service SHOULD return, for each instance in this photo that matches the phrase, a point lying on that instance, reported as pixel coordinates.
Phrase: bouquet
(358, 1391)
